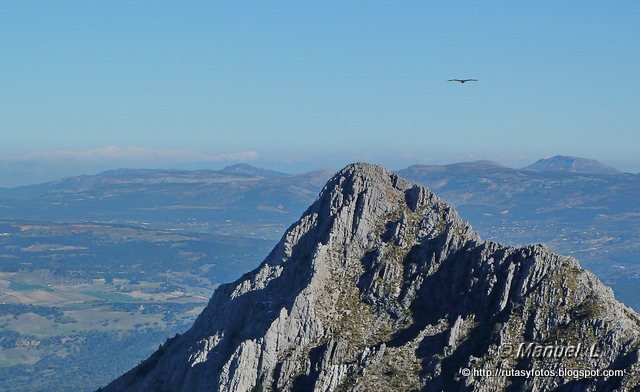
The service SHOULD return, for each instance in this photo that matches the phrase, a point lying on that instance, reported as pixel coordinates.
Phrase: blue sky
(319, 84)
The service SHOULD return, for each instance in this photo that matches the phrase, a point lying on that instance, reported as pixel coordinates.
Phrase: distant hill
(233, 200)
(571, 164)
(243, 168)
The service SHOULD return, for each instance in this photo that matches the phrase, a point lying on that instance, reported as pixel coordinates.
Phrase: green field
(110, 297)
(19, 286)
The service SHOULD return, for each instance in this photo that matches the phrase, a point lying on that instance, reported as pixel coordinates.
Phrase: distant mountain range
(202, 200)
(486, 187)
(139, 193)
(15, 173)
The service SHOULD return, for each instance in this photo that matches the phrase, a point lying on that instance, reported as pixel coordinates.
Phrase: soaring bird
(462, 80)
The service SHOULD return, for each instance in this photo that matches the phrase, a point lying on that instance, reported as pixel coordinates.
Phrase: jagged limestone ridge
(380, 285)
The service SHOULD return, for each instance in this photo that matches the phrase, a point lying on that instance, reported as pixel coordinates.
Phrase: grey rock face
(380, 286)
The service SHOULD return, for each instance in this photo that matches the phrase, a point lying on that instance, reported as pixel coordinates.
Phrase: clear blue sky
(323, 83)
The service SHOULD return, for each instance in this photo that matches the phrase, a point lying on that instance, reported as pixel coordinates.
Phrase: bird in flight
(462, 80)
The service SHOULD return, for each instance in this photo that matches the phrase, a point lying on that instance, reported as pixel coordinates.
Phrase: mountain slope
(571, 164)
(114, 179)
(381, 286)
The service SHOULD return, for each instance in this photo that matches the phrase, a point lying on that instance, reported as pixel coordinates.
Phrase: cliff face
(381, 286)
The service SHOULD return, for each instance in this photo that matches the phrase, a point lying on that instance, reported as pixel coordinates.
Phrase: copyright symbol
(466, 372)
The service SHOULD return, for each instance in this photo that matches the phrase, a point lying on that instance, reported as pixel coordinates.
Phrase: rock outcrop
(380, 286)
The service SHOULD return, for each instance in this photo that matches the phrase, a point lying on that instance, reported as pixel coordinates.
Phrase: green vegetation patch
(19, 286)
(5, 363)
(110, 297)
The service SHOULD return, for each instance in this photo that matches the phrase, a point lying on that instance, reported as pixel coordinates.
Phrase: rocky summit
(380, 286)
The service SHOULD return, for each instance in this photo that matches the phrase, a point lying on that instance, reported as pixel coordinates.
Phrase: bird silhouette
(462, 80)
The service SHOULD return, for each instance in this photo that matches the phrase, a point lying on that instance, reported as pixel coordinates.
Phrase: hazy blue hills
(488, 188)
(571, 164)
(243, 168)
(234, 173)
(229, 200)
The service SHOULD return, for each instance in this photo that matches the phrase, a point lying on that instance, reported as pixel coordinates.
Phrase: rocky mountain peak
(381, 286)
